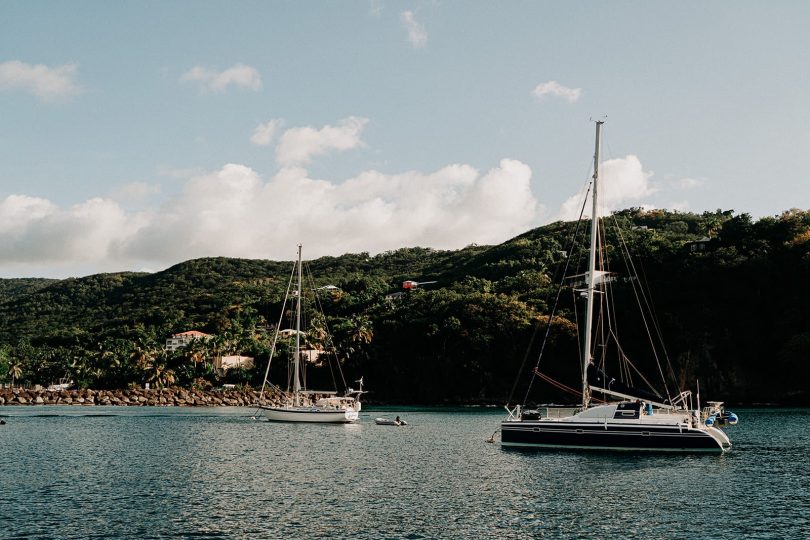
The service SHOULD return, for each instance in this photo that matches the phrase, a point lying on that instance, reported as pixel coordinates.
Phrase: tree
(158, 373)
(15, 369)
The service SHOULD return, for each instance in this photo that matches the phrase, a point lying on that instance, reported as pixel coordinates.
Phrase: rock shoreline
(167, 397)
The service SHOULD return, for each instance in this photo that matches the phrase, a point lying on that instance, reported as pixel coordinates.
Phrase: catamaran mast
(297, 360)
(586, 349)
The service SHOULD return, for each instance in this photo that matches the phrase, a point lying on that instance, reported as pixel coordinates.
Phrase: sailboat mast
(586, 350)
(297, 360)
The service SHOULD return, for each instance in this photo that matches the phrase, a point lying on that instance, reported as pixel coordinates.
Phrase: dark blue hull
(610, 436)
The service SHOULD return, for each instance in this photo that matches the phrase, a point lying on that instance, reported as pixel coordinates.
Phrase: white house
(184, 338)
(234, 361)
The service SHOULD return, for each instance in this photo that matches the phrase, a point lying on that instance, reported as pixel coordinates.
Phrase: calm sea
(216, 473)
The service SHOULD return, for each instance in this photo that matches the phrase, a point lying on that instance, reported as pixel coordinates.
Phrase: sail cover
(598, 379)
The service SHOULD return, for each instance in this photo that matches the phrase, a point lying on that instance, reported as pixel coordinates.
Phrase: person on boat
(398, 421)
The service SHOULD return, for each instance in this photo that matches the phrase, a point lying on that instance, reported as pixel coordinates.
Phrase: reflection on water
(216, 473)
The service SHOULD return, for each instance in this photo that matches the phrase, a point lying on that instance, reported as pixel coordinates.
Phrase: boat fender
(649, 409)
(732, 419)
(710, 421)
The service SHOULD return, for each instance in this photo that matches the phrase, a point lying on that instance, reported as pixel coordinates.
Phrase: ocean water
(72, 472)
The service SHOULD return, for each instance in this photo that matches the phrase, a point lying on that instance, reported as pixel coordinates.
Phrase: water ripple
(197, 474)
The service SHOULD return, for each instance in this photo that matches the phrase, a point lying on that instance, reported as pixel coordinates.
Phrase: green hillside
(733, 309)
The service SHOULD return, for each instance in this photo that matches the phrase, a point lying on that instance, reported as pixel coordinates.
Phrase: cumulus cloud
(621, 182)
(47, 83)
(264, 133)
(417, 35)
(299, 145)
(235, 212)
(553, 88)
(36, 230)
(238, 75)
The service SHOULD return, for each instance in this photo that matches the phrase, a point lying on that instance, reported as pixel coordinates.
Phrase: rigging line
(631, 364)
(657, 327)
(328, 333)
(603, 316)
(624, 372)
(636, 290)
(332, 347)
(561, 386)
(571, 246)
(647, 292)
(576, 320)
(553, 310)
(558, 384)
(275, 338)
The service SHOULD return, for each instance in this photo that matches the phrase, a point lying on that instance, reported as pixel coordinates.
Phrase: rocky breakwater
(167, 397)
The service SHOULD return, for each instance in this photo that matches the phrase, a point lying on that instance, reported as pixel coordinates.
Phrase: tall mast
(586, 350)
(297, 360)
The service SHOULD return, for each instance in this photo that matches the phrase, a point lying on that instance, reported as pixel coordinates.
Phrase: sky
(136, 135)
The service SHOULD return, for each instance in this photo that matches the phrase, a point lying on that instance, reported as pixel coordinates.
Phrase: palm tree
(160, 375)
(157, 372)
(15, 369)
(141, 356)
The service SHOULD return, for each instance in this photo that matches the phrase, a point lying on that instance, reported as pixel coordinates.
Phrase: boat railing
(683, 400)
(558, 412)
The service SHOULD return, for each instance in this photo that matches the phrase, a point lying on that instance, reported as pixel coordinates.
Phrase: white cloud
(36, 230)
(417, 35)
(238, 75)
(553, 88)
(298, 146)
(264, 133)
(621, 182)
(689, 183)
(47, 83)
(135, 192)
(234, 212)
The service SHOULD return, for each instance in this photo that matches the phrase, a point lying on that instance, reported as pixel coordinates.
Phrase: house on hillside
(234, 361)
(698, 245)
(309, 352)
(184, 338)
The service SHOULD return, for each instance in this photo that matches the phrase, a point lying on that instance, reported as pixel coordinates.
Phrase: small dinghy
(388, 422)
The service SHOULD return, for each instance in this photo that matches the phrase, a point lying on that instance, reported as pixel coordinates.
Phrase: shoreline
(231, 397)
(166, 397)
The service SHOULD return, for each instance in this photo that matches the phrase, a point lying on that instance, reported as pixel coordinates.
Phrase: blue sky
(136, 135)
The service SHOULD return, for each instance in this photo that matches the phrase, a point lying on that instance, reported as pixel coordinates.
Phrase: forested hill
(731, 295)
(10, 289)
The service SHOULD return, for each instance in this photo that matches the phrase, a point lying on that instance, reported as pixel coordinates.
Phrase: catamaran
(613, 414)
(297, 403)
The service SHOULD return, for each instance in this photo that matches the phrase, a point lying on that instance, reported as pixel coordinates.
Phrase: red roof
(191, 333)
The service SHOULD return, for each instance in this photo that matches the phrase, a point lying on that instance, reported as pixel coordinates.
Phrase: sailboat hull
(610, 436)
(310, 415)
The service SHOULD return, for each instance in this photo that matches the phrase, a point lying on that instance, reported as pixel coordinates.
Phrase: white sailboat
(625, 418)
(298, 405)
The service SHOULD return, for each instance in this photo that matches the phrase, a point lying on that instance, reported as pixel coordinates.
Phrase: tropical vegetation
(731, 296)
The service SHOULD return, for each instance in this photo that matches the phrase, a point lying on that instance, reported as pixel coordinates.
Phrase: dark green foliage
(731, 295)
(14, 288)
